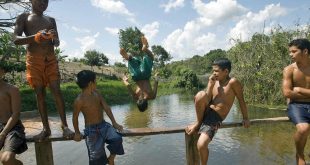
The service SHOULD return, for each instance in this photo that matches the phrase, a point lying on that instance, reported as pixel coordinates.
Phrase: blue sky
(183, 27)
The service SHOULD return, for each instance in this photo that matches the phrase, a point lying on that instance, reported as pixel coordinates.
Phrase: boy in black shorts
(12, 135)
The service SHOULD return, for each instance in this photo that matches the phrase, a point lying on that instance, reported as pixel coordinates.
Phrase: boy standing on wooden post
(97, 131)
(12, 135)
(213, 105)
(42, 65)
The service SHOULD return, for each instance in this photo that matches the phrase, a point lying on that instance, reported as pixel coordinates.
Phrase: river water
(269, 144)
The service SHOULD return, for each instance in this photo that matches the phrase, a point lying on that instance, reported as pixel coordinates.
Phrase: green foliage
(259, 63)
(10, 58)
(59, 55)
(119, 64)
(130, 40)
(114, 92)
(161, 56)
(95, 58)
(188, 80)
(198, 64)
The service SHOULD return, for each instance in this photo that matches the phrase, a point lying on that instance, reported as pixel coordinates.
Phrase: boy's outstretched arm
(108, 111)
(127, 84)
(155, 86)
(237, 87)
(75, 120)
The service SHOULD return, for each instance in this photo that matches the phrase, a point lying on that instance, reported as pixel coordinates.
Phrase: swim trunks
(15, 140)
(41, 70)
(96, 137)
(140, 68)
(211, 123)
(299, 112)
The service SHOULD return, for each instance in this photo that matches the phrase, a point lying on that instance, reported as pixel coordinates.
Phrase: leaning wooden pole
(192, 157)
(44, 153)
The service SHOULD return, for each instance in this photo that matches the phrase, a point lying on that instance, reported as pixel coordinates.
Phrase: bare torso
(91, 108)
(30, 24)
(145, 87)
(223, 98)
(5, 102)
(301, 78)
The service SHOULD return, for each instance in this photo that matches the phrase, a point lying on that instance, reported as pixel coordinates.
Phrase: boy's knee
(202, 145)
(200, 96)
(7, 157)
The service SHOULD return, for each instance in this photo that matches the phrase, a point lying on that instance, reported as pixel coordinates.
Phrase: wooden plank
(34, 126)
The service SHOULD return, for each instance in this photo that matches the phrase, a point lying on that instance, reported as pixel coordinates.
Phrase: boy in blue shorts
(97, 131)
(140, 69)
(296, 89)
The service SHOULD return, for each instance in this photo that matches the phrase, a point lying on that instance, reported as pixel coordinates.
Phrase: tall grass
(114, 92)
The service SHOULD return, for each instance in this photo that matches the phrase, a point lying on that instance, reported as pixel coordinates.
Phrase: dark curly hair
(84, 77)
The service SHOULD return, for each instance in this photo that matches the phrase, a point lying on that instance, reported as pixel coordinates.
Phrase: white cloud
(113, 31)
(254, 22)
(217, 11)
(192, 40)
(80, 30)
(150, 30)
(112, 6)
(88, 42)
(62, 44)
(172, 4)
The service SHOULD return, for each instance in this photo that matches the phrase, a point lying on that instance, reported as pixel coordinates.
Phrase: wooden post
(192, 156)
(44, 153)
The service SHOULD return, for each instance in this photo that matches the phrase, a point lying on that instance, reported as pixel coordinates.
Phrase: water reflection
(266, 144)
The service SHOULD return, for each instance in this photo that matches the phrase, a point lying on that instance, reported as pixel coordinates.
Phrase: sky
(183, 27)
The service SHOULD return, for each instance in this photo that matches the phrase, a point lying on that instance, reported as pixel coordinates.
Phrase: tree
(10, 5)
(130, 40)
(95, 58)
(120, 65)
(10, 54)
(161, 55)
(58, 54)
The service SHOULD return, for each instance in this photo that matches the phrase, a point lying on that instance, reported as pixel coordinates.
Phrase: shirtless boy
(12, 135)
(213, 105)
(140, 70)
(42, 66)
(296, 88)
(97, 131)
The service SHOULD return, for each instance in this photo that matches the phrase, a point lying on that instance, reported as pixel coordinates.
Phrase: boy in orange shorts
(42, 65)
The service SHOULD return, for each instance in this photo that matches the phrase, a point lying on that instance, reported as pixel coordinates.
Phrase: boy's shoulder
(23, 16)
(10, 88)
(233, 80)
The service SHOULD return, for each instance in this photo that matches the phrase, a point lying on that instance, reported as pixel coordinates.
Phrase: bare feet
(111, 159)
(67, 133)
(191, 129)
(43, 135)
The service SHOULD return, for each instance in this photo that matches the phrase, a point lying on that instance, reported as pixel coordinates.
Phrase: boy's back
(97, 131)
(91, 107)
(7, 92)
